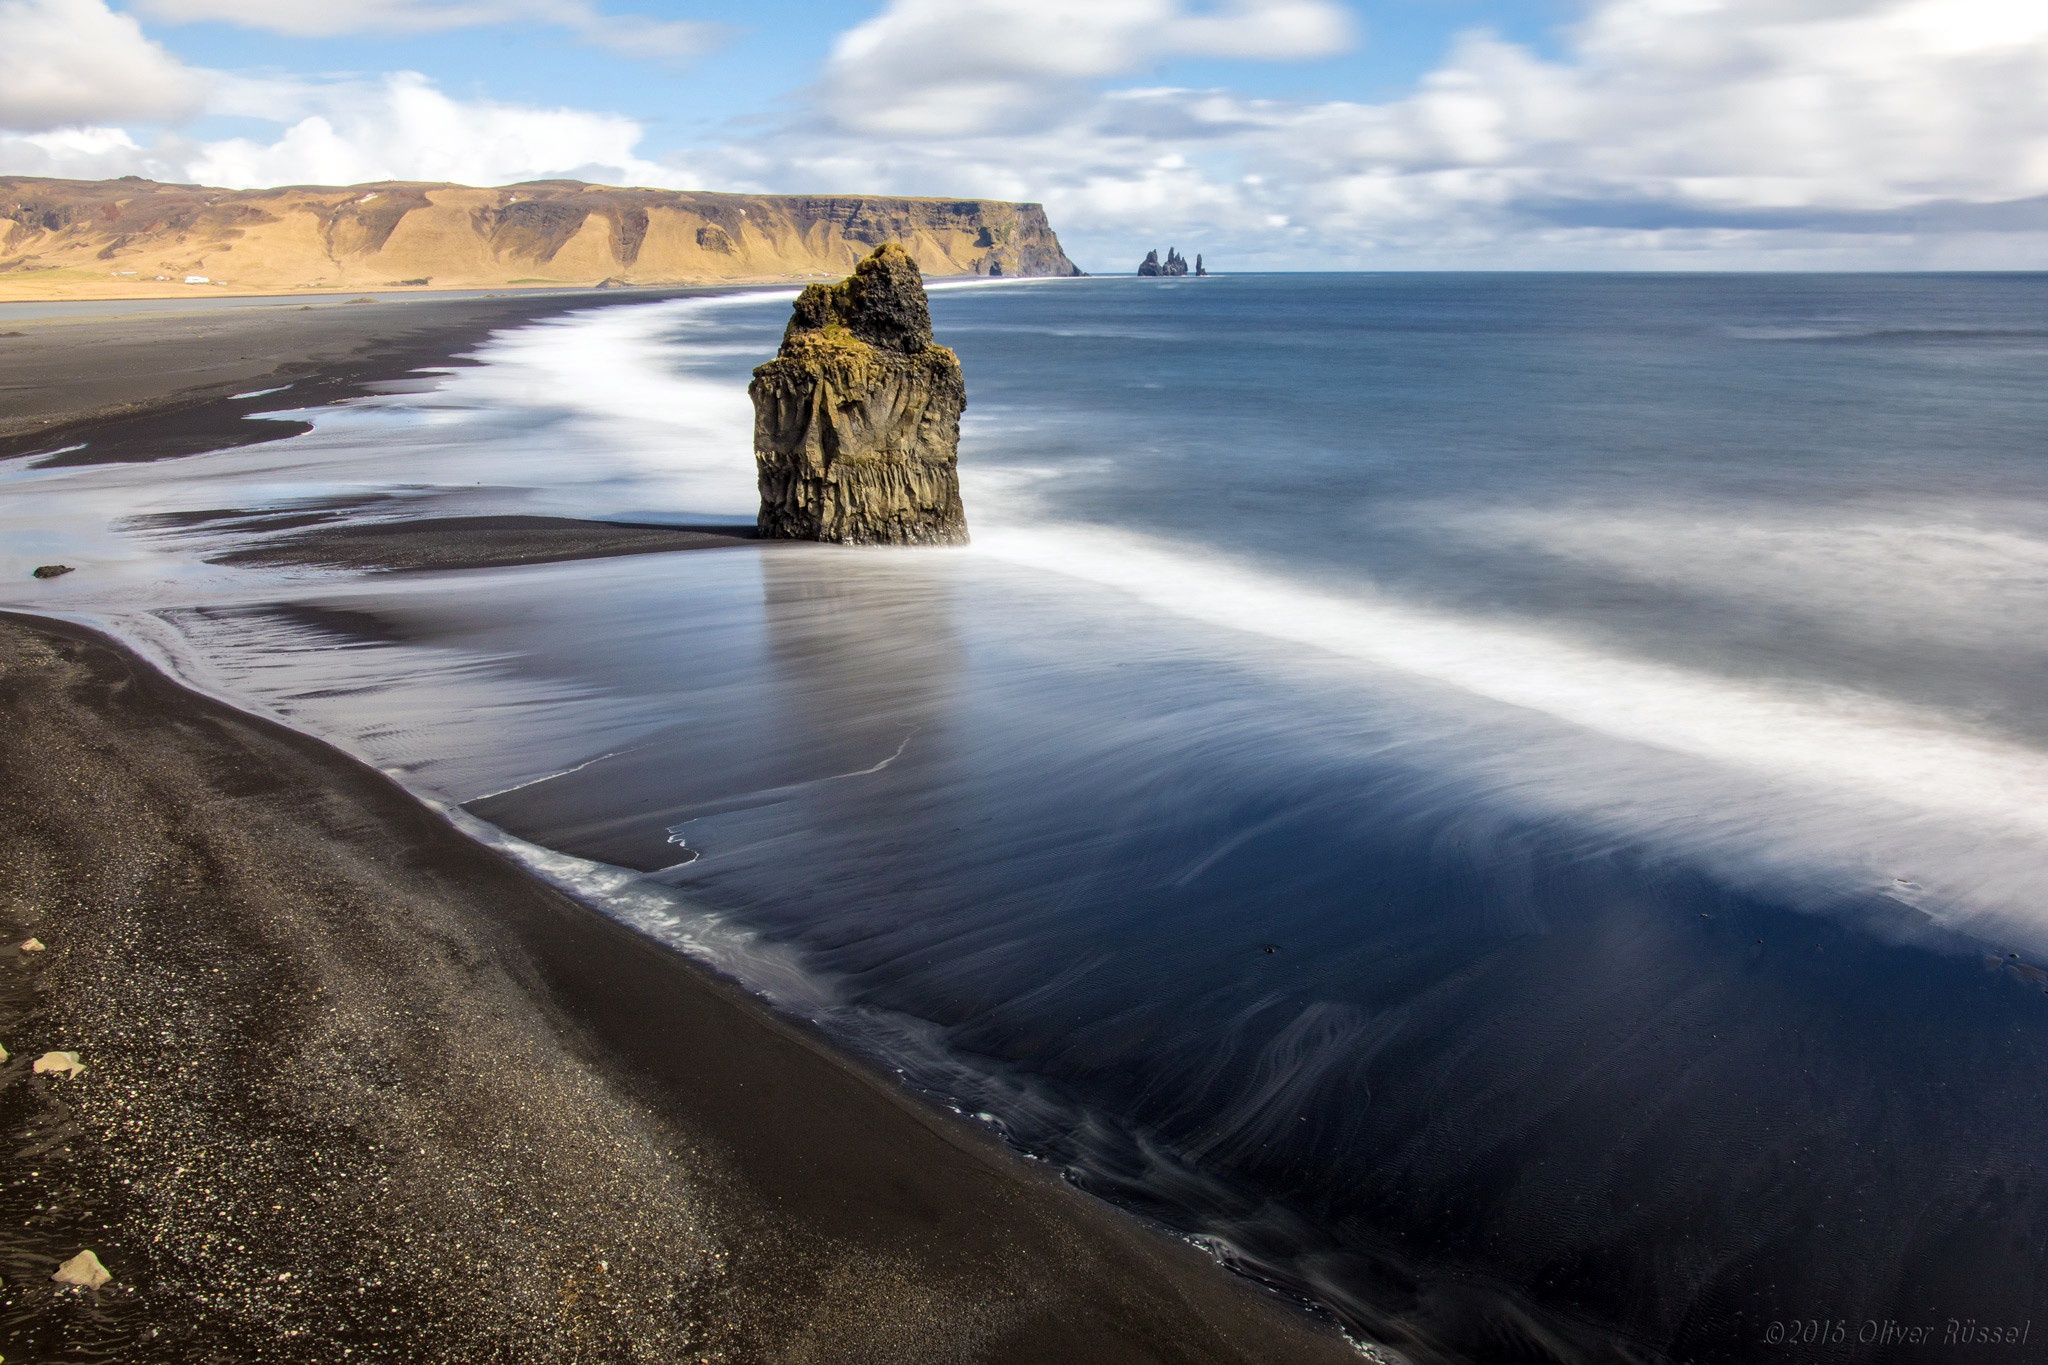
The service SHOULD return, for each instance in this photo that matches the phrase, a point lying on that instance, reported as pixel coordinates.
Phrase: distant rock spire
(1175, 264)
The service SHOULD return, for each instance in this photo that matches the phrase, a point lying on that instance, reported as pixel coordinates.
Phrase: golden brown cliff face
(136, 238)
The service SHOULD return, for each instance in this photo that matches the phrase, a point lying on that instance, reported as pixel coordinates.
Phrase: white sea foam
(1944, 573)
(1801, 774)
(773, 970)
(628, 400)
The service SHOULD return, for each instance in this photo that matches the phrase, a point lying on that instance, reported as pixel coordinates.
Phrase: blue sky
(1663, 134)
(769, 49)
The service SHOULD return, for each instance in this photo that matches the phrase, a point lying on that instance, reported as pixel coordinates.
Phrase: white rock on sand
(83, 1270)
(34, 945)
(66, 1062)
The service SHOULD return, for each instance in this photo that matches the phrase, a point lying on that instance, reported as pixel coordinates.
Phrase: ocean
(1512, 808)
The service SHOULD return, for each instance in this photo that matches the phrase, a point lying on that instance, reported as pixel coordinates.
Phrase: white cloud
(74, 154)
(406, 129)
(934, 67)
(1821, 132)
(75, 61)
(1716, 132)
(341, 133)
(634, 35)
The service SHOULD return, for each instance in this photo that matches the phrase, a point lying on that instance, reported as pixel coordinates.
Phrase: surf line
(549, 777)
(770, 796)
(1842, 742)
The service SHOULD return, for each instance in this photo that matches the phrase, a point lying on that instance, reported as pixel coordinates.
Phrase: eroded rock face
(1174, 265)
(857, 419)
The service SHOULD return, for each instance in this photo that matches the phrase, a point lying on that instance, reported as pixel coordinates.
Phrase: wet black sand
(148, 386)
(429, 543)
(359, 1088)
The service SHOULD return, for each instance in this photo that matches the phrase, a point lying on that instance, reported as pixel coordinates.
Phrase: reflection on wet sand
(857, 677)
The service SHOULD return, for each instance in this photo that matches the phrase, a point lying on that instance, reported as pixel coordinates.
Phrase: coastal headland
(134, 238)
(357, 1087)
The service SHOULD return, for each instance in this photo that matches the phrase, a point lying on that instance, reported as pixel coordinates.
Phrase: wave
(1938, 574)
(1884, 332)
(1912, 802)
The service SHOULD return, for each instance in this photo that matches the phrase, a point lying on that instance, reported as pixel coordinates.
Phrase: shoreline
(131, 388)
(378, 991)
(175, 295)
(831, 1213)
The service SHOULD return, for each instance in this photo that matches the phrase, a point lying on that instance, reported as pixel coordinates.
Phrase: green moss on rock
(857, 419)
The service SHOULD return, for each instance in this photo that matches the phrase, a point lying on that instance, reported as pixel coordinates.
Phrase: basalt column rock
(857, 419)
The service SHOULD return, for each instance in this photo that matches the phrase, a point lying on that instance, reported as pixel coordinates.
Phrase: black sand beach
(429, 543)
(127, 384)
(357, 1088)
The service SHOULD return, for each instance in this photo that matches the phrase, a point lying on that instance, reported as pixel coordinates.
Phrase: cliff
(857, 419)
(133, 238)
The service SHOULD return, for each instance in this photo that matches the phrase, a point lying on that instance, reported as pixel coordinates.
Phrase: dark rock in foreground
(857, 419)
(52, 570)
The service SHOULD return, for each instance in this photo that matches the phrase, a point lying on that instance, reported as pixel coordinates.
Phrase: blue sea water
(1514, 808)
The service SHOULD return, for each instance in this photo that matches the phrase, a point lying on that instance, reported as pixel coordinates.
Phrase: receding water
(1515, 807)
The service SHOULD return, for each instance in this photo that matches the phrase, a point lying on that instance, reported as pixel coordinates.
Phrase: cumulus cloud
(1721, 132)
(635, 35)
(75, 154)
(939, 67)
(404, 128)
(65, 62)
(341, 133)
(73, 72)
(1750, 104)
(1818, 131)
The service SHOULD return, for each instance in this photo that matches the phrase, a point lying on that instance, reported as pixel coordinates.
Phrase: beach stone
(51, 1063)
(83, 1270)
(32, 945)
(857, 419)
(53, 570)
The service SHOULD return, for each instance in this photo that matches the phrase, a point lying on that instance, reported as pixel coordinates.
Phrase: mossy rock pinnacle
(857, 419)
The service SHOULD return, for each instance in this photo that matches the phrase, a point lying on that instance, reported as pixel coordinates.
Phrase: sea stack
(857, 419)
(1173, 267)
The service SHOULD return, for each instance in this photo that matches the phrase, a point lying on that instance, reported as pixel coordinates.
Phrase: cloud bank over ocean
(1646, 133)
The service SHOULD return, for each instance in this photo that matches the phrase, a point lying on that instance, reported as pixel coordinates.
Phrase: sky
(1267, 134)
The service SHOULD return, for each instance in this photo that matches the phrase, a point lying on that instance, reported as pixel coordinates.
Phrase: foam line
(1914, 758)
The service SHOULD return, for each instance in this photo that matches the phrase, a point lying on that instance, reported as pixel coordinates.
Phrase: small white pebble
(66, 1062)
(83, 1270)
(33, 945)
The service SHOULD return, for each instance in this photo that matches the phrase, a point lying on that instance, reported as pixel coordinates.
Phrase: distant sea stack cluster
(1174, 264)
(857, 419)
(136, 238)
